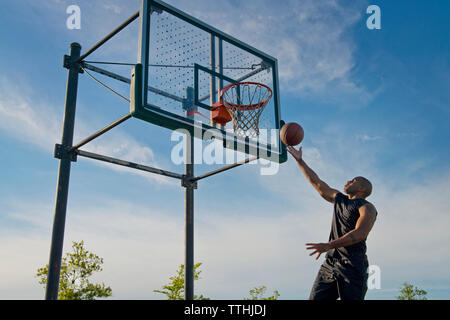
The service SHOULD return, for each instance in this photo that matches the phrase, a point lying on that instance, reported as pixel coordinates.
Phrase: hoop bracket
(64, 152)
(188, 182)
(68, 63)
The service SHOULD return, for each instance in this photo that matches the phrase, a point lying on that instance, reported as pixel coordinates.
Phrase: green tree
(175, 289)
(409, 292)
(257, 293)
(76, 268)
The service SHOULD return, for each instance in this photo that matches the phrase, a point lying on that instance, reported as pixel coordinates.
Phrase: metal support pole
(220, 65)
(144, 43)
(212, 80)
(189, 220)
(59, 220)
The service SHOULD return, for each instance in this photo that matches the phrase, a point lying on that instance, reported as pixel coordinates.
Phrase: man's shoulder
(339, 196)
(368, 206)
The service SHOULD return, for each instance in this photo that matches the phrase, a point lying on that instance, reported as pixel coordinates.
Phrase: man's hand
(318, 248)
(297, 154)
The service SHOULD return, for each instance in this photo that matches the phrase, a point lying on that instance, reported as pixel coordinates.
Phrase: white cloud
(98, 19)
(22, 256)
(239, 249)
(113, 7)
(415, 216)
(236, 257)
(27, 117)
(126, 236)
(310, 39)
(366, 137)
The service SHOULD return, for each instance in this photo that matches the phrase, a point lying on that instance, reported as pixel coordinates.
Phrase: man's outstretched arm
(324, 190)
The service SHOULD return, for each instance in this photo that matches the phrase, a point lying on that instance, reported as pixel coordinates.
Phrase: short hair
(367, 186)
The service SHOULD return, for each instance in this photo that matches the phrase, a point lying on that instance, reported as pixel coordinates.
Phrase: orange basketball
(291, 134)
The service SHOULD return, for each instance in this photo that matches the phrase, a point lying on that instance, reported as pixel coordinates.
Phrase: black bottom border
(227, 309)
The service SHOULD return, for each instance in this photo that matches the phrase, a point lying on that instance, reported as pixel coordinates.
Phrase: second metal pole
(189, 222)
(189, 208)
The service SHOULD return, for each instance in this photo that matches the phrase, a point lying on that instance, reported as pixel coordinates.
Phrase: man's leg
(325, 285)
(352, 283)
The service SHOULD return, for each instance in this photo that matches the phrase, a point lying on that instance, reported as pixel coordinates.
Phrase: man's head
(358, 187)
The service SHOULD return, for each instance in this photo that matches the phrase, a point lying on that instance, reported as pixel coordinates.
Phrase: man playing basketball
(344, 272)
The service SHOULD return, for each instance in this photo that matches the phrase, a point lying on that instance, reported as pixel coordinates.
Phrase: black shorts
(340, 279)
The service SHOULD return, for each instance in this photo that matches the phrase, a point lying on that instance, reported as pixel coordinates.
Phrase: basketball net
(245, 101)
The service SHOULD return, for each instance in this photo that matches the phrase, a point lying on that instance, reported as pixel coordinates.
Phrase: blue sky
(372, 102)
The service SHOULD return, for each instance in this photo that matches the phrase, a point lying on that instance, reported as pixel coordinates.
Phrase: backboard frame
(142, 109)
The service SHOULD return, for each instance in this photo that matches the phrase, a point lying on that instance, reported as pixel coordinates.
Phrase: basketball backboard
(184, 63)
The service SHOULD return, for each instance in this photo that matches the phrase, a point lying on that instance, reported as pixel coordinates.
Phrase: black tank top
(345, 215)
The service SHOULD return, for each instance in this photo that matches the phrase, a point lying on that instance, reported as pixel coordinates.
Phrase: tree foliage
(175, 289)
(76, 269)
(409, 292)
(257, 293)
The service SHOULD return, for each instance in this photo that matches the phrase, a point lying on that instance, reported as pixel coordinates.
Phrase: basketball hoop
(242, 102)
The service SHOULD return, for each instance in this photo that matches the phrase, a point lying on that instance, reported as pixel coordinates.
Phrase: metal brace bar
(109, 36)
(231, 166)
(128, 164)
(100, 132)
(127, 80)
